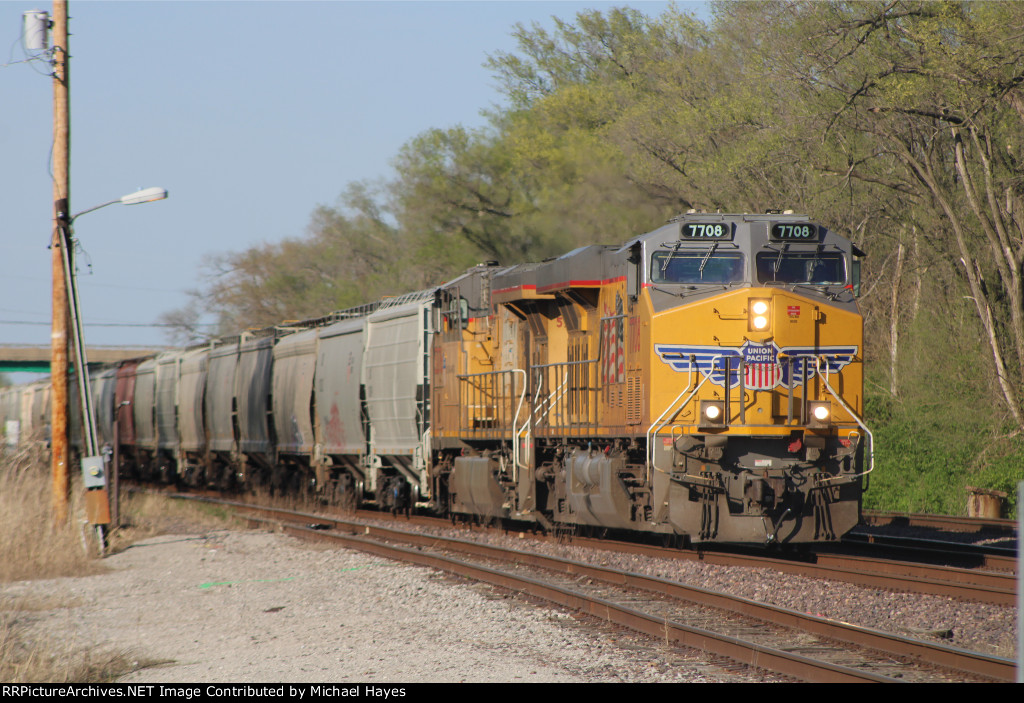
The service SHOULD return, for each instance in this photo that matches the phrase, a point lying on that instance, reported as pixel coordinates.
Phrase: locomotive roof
(672, 227)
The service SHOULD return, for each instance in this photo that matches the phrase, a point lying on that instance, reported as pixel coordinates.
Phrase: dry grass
(145, 514)
(33, 547)
(26, 656)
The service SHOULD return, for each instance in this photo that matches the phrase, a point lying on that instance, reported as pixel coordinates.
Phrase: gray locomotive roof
(580, 266)
(759, 223)
(589, 264)
(515, 276)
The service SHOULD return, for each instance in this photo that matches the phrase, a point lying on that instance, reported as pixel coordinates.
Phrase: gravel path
(257, 607)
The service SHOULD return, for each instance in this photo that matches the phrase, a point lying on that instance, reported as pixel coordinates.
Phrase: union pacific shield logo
(761, 369)
(765, 366)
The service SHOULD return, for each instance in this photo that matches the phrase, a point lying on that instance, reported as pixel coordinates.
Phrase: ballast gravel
(979, 627)
(260, 607)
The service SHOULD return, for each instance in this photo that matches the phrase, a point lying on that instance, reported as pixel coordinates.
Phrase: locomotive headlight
(712, 413)
(759, 314)
(821, 413)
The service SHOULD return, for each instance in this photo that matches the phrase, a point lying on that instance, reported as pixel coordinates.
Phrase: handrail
(515, 438)
(548, 402)
(563, 386)
(871, 437)
(566, 363)
(495, 395)
(655, 428)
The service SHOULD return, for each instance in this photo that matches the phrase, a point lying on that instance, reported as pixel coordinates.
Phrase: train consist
(703, 382)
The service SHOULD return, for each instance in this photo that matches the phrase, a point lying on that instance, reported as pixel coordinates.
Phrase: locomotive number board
(794, 232)
(713, 231)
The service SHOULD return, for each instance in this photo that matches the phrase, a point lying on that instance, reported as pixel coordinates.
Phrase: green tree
(924, 99)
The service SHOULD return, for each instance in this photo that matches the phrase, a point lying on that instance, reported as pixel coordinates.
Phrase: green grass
(927, 454)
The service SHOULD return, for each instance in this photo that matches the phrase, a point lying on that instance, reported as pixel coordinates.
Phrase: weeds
(29, 657)
(33, 546)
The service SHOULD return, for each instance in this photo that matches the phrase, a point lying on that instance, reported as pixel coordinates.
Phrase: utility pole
(61, 203)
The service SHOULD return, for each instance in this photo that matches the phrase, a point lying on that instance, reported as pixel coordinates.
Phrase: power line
(108, 324)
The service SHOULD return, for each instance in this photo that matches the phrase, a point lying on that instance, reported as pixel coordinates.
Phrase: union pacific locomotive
(703, 381)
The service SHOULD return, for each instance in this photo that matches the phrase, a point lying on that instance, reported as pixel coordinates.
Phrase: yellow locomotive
(703, 381)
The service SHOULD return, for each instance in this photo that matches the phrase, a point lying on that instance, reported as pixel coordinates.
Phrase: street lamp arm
(146, 195)
(79, 214)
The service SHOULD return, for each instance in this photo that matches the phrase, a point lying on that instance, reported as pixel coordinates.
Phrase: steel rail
(897, 645)
(951, 523)
(874, 573)
(973, 555)
(965, 584)
(954, 582)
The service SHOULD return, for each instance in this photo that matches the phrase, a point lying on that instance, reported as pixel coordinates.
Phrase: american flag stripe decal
(762, 376)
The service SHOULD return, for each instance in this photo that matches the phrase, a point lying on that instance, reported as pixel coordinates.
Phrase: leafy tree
(923, 100)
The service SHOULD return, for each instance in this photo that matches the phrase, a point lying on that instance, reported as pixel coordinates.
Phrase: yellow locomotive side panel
(446, 359)
(466, 353)
(640, 380)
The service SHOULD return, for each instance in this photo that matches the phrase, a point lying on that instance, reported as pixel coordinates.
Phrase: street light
(146, 195)
(97, 502)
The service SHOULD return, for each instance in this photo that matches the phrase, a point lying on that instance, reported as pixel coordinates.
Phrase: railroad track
(980, 585)
(934, 551)
(991, 578)
(949, 523)
(793, 644)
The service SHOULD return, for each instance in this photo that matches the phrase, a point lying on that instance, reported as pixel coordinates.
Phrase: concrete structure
(36, 358)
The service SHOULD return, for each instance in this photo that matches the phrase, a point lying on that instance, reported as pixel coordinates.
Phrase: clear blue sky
(250, 113)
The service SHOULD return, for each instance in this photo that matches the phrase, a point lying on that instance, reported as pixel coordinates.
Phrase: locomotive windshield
(697, 266)
(808, 267)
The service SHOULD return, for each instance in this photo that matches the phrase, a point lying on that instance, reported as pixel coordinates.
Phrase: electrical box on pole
(97, 501)
(36, 30)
